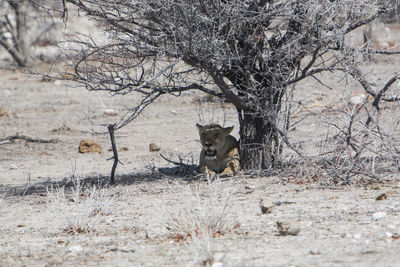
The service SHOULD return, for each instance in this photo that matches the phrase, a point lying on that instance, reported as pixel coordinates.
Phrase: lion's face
(212, 138)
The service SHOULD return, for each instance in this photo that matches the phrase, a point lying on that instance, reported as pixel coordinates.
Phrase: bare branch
(380, 94)
(26, 138)
(247, 53)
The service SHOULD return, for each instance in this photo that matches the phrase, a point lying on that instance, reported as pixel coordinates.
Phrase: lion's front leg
(232, 168)
(232, 165)
(207, 171)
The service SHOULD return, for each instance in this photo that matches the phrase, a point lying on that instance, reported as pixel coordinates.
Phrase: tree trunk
(259, 143)
(19, 47)
(22, 34)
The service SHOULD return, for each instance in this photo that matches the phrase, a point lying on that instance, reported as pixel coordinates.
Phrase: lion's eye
(216, 135)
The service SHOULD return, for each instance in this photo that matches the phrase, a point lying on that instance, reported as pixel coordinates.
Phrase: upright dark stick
(111, 128)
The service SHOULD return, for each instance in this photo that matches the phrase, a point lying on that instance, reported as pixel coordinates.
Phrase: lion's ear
(199, 127)
(228, 130)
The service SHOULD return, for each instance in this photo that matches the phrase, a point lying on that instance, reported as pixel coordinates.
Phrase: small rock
(357, 236)
(3, 113)
(6, 93)
(294, 230)
(313, 252)
(153, 147)
(12, 167)
(89, 146)
(381, 197)
(110, 112)
(358, 99)
(378, 215)
(76, 249)
(266, 206)
(288, 228)
(58, 82)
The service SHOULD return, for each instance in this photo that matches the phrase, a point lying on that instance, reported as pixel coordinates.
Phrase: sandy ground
(130, 225)
(153, 219)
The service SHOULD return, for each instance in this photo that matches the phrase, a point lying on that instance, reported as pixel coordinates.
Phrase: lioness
(220, 153)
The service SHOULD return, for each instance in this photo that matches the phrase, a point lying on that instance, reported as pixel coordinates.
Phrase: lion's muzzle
(210, 153)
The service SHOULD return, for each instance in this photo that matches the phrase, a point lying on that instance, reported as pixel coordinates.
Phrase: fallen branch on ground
(26, 138)
(174, 162)
(181, 168)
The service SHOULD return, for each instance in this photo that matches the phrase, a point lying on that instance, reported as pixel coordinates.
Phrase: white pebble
(12, 167)
(357, 236)
(76, 249)
(378, 215)
(7, 93)
(110, 112)
(58, 82)
(357, 99)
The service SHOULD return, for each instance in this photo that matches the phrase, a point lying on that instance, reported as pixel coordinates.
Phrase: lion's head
(212, 138)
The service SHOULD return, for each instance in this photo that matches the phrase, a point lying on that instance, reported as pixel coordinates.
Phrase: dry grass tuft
(79, 209)
(205, 215)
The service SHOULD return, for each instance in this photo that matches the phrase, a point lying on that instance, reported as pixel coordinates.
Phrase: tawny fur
(220, 150)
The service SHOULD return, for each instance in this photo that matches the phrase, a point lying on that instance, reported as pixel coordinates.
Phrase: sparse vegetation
(206, 209)
(78, 209)
(206, 214)
(248, 53)
(58, 208)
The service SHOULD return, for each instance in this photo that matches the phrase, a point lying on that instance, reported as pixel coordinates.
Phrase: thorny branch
(248, 53)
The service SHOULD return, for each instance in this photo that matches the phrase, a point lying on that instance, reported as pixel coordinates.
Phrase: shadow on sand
(183, 172)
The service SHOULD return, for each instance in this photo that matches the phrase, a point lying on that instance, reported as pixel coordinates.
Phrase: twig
(111, 128)
(173, 162)
(28, 185)
(26, 138)
(65, 12)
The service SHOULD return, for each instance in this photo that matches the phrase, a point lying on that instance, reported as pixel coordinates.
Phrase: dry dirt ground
(155, 219)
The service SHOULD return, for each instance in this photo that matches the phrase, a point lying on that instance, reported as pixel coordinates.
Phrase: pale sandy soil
(130, 223)
(154, 219)
(342, 226)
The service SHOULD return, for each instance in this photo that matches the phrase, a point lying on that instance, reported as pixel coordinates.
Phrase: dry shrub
(78, 210)
(360, 146)
(205, 215)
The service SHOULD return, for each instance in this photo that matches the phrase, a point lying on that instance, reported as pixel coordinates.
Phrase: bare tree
(23, 24)
(13, 27)
(248, 53)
